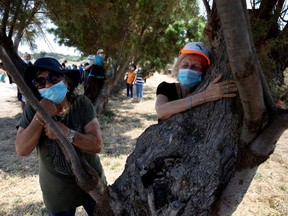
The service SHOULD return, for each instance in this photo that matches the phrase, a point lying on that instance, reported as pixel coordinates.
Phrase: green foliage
(107, 117)
(271, 42)
(150, 31)
(22, 20)
(276, 90)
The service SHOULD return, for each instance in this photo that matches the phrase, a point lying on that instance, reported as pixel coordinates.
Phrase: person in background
(27, 62)
(74, 67)
(139, 83)
(75, 115)
(63, 65)
(87, 66)
(3, 73)
(190, 67)
(95, 79)
(81, 69)
(100, 52)
(110, 67)
(130, 78)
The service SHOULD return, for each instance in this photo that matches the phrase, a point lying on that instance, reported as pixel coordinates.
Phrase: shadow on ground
(10, 163)
(117, 126)
(32, 209)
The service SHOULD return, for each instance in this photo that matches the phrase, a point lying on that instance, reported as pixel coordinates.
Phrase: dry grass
(20, 192)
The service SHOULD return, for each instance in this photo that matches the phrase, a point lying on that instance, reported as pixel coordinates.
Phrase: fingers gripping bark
(217, 90)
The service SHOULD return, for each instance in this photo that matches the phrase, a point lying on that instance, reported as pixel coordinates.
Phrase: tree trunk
(199, 162)
(180, 165)
(112, 85)
(202, 162)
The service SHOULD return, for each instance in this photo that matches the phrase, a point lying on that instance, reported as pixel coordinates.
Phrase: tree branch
(247, 73)
(255, 99)
(207, 7)
(5, 18)
(266, 8)
(88, 181)
(277, 14)
(271, 134)
(25, 22)
(15, 19)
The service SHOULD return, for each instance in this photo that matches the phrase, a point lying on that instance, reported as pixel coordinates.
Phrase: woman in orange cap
(190, 67)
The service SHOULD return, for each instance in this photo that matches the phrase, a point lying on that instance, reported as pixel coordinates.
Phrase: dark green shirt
(58, 184)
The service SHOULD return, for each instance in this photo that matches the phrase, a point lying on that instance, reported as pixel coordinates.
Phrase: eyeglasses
(40, 82)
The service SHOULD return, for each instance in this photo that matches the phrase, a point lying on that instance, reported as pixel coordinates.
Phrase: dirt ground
(20, 192)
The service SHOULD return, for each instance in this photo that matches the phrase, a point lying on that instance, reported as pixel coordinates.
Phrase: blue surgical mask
(189, 78)
(56, 93)
(27, 61)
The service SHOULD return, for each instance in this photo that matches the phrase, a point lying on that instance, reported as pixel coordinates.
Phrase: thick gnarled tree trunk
(181, 165)
(203, 161)
(200, 162)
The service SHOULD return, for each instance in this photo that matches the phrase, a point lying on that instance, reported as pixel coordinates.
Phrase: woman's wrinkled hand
(50, 133)
(49, 107)
(217, 90)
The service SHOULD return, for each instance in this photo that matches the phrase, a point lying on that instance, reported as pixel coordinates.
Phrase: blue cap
(198, 48)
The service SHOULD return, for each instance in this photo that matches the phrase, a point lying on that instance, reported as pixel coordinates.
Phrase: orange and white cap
(198, 48)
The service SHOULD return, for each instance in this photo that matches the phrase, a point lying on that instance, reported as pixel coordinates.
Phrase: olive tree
(202, 161)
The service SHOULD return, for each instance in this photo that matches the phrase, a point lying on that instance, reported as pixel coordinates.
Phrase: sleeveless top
(169, 90)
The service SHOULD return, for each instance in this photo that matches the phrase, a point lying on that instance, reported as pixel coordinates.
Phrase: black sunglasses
(40, 82)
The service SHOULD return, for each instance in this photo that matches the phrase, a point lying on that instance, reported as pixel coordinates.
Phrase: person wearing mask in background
(139, 83)
(130, 78)
(87, 66)
(190, 67)
(91, 60)
(75, 116)
(27, 62)
(95, 79)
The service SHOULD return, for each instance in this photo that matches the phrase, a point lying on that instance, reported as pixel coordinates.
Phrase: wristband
(70, 136)
(38, 120)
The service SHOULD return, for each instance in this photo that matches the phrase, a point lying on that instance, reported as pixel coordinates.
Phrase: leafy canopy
(151, 31)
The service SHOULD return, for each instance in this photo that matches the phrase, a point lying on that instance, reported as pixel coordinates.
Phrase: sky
(52, 46)
(48, 44)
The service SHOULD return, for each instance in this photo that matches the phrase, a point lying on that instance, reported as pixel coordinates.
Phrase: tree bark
(180, 165)
(202, 161)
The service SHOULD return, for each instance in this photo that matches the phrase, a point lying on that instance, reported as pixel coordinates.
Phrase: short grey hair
(175, 67)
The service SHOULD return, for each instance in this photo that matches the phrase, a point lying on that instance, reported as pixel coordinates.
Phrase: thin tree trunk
(86, 177)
